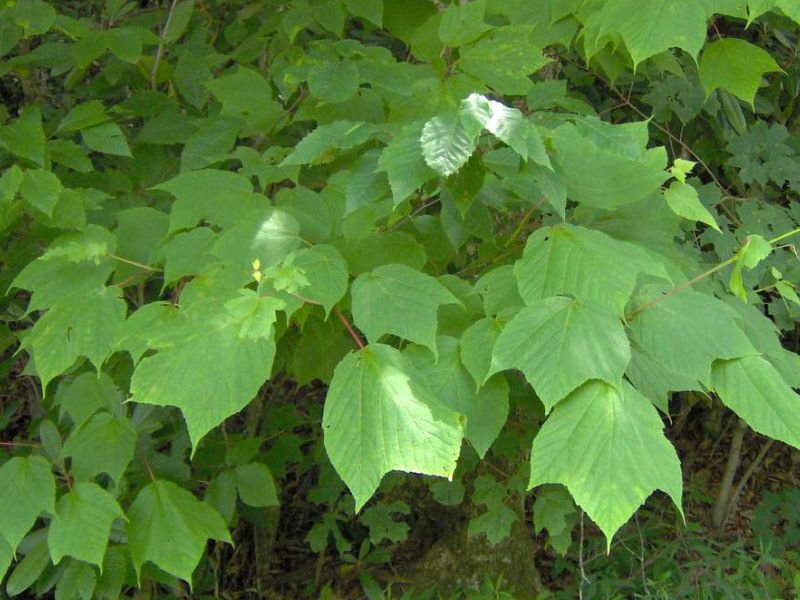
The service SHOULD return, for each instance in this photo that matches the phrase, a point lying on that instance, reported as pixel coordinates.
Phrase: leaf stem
(711, 271)
(133, 263)
(682, 287)
(349, 328)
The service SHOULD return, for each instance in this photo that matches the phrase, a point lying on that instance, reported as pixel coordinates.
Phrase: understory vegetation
(399, 299)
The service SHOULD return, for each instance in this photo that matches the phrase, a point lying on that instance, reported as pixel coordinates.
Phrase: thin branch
(703, 275)
(682, 287)
(160, 50)
(20, 445)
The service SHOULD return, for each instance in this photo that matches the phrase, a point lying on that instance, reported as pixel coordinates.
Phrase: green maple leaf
(655, 381)
(85, 395)
(170, 527)
(82, 524)
(25, 136)
(326, 272)
(318, 145)
(41, 189)
(504, 58)
(27, 488)
(219, 197)
(115, 435)
(605, 443)
(649, 27)
(211, 371)
(560, 343)
(763, 153)
(333, 80)
(397, 300)
(737, 66)
(486, 408)
(477, 345)
(687, 332)
(375, 396)
(380, 521)
(587, 264)
(70, 330)
(605, 165)
(683, 200)
(555, 511)
(755, 390)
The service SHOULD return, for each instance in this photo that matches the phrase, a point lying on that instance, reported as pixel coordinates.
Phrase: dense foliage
(499, 232)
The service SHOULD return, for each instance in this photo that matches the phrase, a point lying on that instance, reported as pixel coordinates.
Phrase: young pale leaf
(587, 264)
(649, 27)
(752, 388)
(376, 397)
(115, 435)
(170, 527)
(683, 201)
(27, 488)
(687, 332)
(447, 144)
(606, 444)
(209, 372)
(403, 163)
(753, 251)
(256, 486)
(559, 344)
(735, 65)
(326, 272)
(82, 524)
(505, 123)
(486, 409)
(397, 300)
